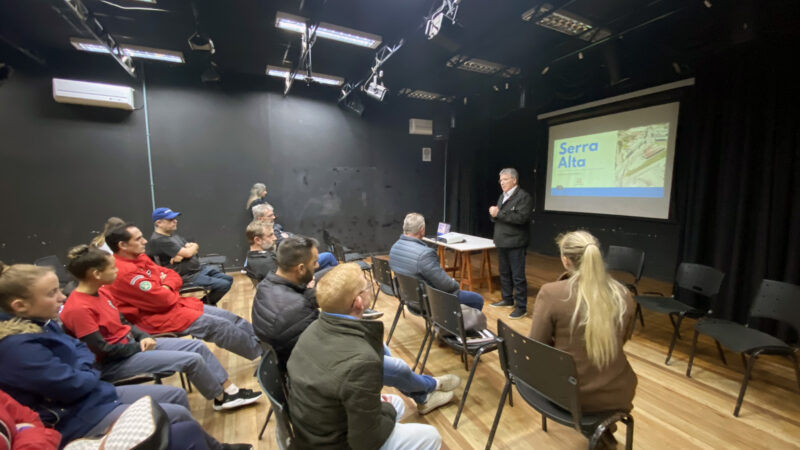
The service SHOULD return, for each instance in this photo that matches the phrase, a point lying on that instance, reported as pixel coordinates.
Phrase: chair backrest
(779, 301)
(383, 274)
(411, 292)
(548, 371)
(272, 381)
(446, 312)
(338, 249)
(700, 279)
(625, 259)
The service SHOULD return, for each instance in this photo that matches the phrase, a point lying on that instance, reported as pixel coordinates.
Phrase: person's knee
(176, 413)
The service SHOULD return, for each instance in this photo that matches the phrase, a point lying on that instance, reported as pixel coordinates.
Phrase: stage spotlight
(201, 42)
(375, 87)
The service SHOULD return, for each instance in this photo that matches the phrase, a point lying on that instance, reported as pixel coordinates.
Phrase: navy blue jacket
(411, 257)
(51, 372)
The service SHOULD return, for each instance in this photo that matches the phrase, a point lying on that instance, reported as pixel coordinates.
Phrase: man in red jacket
(147, 295)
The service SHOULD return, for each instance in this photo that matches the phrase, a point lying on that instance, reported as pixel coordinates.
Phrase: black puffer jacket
(281, 311)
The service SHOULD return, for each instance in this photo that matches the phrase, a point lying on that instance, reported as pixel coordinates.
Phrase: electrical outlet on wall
(426, 154)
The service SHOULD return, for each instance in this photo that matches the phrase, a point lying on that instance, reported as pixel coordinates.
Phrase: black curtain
(738, 171)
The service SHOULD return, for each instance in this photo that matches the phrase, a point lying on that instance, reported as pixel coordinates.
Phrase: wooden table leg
(487, 260)
(466, 270)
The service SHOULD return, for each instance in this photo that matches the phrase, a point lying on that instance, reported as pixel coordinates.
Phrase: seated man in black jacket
(261, 259)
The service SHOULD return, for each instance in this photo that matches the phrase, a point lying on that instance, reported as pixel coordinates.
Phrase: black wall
(66, 168)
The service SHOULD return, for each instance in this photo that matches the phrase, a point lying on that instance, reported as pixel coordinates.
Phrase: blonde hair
(339, 287)
(112, 222)
(255, 193)
(16, 280)
(600, 300)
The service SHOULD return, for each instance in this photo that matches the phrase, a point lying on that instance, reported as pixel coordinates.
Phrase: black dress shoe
(503, 303)
(518, 313)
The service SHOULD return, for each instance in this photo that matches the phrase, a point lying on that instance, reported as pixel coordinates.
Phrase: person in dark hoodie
(52, 373)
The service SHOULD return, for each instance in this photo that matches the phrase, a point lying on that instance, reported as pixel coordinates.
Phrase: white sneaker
(447, 382)
(435, 400)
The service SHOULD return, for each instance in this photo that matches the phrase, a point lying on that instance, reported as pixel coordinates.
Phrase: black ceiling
(664, 37)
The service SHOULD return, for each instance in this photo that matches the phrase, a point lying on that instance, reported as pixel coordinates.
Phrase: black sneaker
(503, 303)
(371, 314)
(237, 447)
(239, 399)
(518, 313)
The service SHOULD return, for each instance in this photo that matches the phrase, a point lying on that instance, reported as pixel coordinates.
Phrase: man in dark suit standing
(511, 232)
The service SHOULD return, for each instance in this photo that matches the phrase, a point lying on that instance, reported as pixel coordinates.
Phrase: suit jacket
(512, 224)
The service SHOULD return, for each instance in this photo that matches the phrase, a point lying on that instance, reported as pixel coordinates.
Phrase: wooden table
(462, 265)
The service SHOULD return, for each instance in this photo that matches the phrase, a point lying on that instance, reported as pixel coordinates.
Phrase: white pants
(410, 436)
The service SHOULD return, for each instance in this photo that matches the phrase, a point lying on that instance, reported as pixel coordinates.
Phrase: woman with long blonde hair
(257, 194)
(588, 314)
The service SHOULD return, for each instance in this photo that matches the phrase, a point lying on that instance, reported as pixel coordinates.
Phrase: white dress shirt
(508, 194)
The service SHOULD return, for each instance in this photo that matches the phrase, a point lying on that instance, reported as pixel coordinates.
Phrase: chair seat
(738, 337)
(664, 305)
(362, 264)
(414, 310)
(557, 413)
(386, 289)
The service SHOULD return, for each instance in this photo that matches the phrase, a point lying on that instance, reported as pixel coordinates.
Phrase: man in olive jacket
(512, 217)
(335, 376)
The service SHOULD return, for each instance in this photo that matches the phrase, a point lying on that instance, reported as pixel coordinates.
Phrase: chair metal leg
(628, 421)
(394, 323)
(750, 363)
(793, 357)
(269, 414)
(422, 346)
(510, 398)
(544, 423)
(466, 388)
(157, 380)
(691, 354)
(594, 439)
(639, 313)
(721, 352)
(496, 421)
(672, 321)
(465, 358)
(427, 352)
(675, 335)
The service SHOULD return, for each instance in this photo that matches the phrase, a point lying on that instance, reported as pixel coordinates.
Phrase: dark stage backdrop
(66, 168)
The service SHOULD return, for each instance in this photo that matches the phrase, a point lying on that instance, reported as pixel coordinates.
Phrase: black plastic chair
(446, 314)
(214, 259)
(358, 258)
(775, 300)
(273, 383)
(695, 286)
(382, 273)
(628, 260)
(546, 378)
(411, 295)
(66, 282)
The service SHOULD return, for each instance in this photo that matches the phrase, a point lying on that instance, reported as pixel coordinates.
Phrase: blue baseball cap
(164, 213)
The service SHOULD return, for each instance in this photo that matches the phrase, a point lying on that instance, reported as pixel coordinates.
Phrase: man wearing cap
(169, 249)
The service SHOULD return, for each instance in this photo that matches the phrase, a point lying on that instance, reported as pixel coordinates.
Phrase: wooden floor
(670, 410)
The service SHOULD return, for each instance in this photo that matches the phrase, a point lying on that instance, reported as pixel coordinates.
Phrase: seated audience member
(21, 428)
(284, 306)
(123, 350)
(335, 376)
(256, 197)
(169, 249)
(52, 373)
(99, 241)
(265, 212)
(410, 256)
(147, 295)
(261, 259)
(589, 316)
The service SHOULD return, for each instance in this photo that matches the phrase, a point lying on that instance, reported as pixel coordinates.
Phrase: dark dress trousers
(511, 234)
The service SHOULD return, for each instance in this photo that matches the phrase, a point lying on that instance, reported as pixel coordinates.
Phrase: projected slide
(622, 163)
(615, 164)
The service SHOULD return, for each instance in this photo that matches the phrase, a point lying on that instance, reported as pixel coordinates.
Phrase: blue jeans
(227, 330)
(469, 298)
(397, 374)
(217, 282)
(326, 259)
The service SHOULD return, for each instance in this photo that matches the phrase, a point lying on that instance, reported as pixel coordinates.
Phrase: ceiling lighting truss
(320, 78)
(134, 51)
(381, 56)
(307, 40)
(447, 11)
(298, 24)
(92, 26)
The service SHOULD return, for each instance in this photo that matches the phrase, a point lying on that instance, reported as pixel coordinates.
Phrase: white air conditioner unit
(94, 94)
(420, 126)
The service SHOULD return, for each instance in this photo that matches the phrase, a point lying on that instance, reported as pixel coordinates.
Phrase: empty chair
(775, 300)
(382, 273)
(702, 281)
(630, 261)
(358, 258)
(547, 379)
(273, 383)
(411, 295)
(446, 314)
